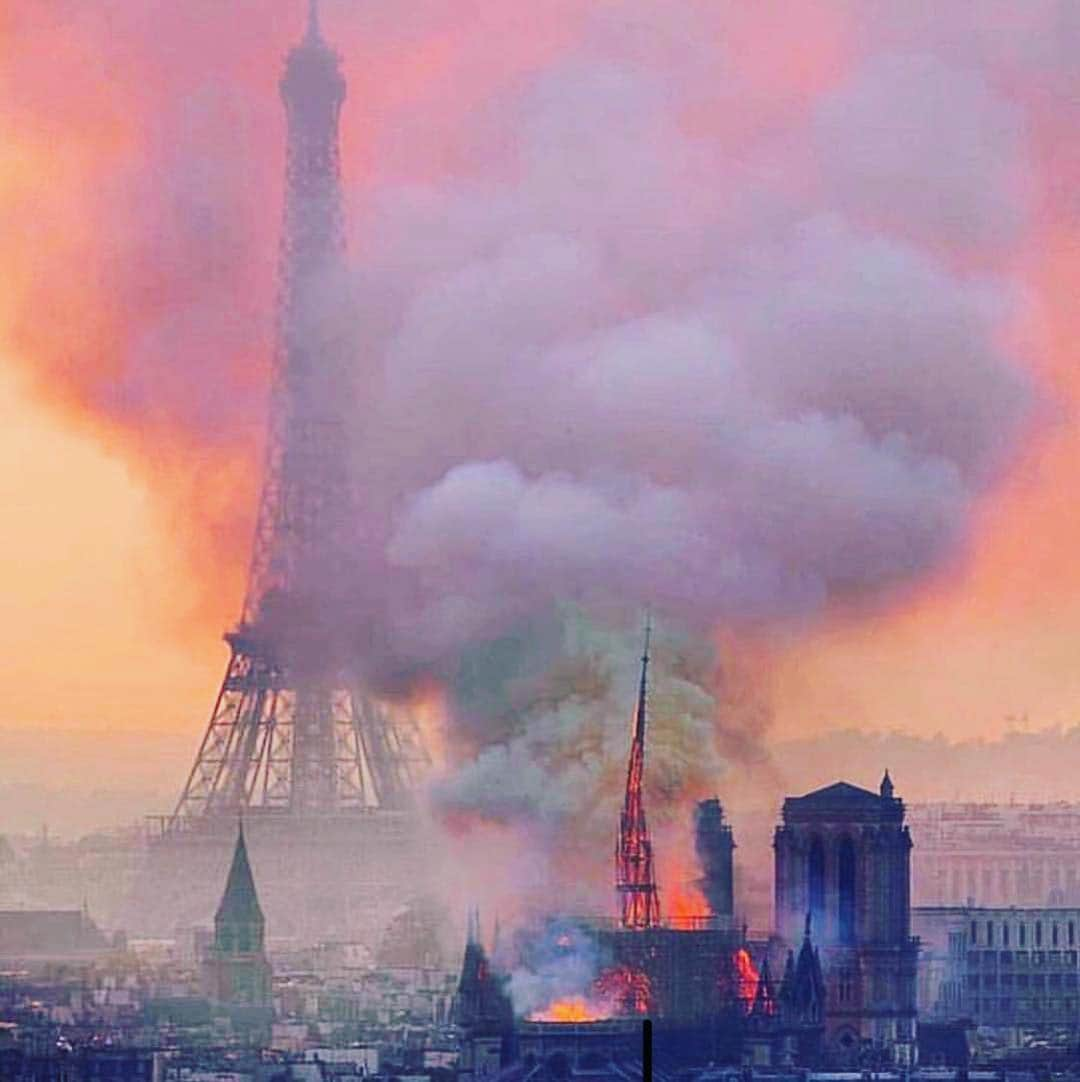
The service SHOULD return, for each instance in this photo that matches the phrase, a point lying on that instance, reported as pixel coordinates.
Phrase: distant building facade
(996, 854)
(46, 934)
(842, 859)
(1011, 969)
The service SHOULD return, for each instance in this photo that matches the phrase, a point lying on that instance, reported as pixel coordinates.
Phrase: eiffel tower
(323, 773)
(292, 730)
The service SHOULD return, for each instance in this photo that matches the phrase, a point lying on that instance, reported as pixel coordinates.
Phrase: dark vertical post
(646, 1050)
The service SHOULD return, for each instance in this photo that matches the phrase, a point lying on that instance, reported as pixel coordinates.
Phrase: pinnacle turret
(886, 787)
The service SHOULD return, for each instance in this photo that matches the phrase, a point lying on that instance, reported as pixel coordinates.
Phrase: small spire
(807, 934)
(886, 786)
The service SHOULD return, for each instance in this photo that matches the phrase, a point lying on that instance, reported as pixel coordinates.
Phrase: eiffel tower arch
(323, 773)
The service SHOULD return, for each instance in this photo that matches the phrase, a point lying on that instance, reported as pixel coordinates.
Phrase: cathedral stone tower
(843, 857)
(236, 972)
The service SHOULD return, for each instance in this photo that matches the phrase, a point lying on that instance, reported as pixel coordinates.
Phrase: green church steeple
(236, 969)
(239, 916)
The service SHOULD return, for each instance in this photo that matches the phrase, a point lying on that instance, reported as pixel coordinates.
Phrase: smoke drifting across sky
(721, 308)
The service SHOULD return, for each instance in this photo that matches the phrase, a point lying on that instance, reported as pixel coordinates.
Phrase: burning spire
(635, 883)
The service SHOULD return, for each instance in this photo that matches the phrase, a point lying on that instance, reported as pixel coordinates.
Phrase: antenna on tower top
(313, 20)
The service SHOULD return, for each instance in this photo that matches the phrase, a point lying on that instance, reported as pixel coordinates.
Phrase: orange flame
(747, 977)
(570, 1009)
(617, 992)
(627, 990)
(685, 903)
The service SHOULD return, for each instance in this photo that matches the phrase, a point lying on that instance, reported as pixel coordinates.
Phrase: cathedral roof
(240, 902)
(840, 791)
(844, 800)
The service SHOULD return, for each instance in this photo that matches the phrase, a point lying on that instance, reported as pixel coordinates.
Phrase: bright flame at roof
(618, 992)
(746, 978)
(572, 1009)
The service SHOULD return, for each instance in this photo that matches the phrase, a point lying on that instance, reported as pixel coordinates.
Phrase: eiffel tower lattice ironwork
(292, 729)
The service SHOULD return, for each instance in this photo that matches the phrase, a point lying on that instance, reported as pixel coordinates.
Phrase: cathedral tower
(843, 862)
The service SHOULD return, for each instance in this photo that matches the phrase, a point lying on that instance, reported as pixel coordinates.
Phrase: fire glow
(618, 992)
(747, 978)
(571, 1009)
(685, 904)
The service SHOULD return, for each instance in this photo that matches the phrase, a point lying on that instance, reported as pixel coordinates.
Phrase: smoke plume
(706, 307)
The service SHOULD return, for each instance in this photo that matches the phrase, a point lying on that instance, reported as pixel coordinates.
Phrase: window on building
(845, 878)
(974, 933)
(1004, 935)
(1023, 935)
(817, 882)
(1072, 933)
(1038, 933)
(989, 933)
(1054, 935)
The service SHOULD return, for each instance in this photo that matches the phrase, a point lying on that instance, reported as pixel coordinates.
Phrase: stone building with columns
(995, 855)
(843, 857)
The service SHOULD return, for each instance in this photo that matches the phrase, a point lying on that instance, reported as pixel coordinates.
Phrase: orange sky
(91, 586)
(114, 598)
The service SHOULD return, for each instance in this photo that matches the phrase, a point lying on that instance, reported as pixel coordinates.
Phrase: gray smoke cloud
(639, 371)
(645, 314)
(551, 960)
(549, 712)
(621, 362)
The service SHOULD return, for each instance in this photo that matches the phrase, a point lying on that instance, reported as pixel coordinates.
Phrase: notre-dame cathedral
(843, 857)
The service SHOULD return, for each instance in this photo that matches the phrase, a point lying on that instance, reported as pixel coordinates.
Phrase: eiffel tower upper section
(292, 730)
(301, 539)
